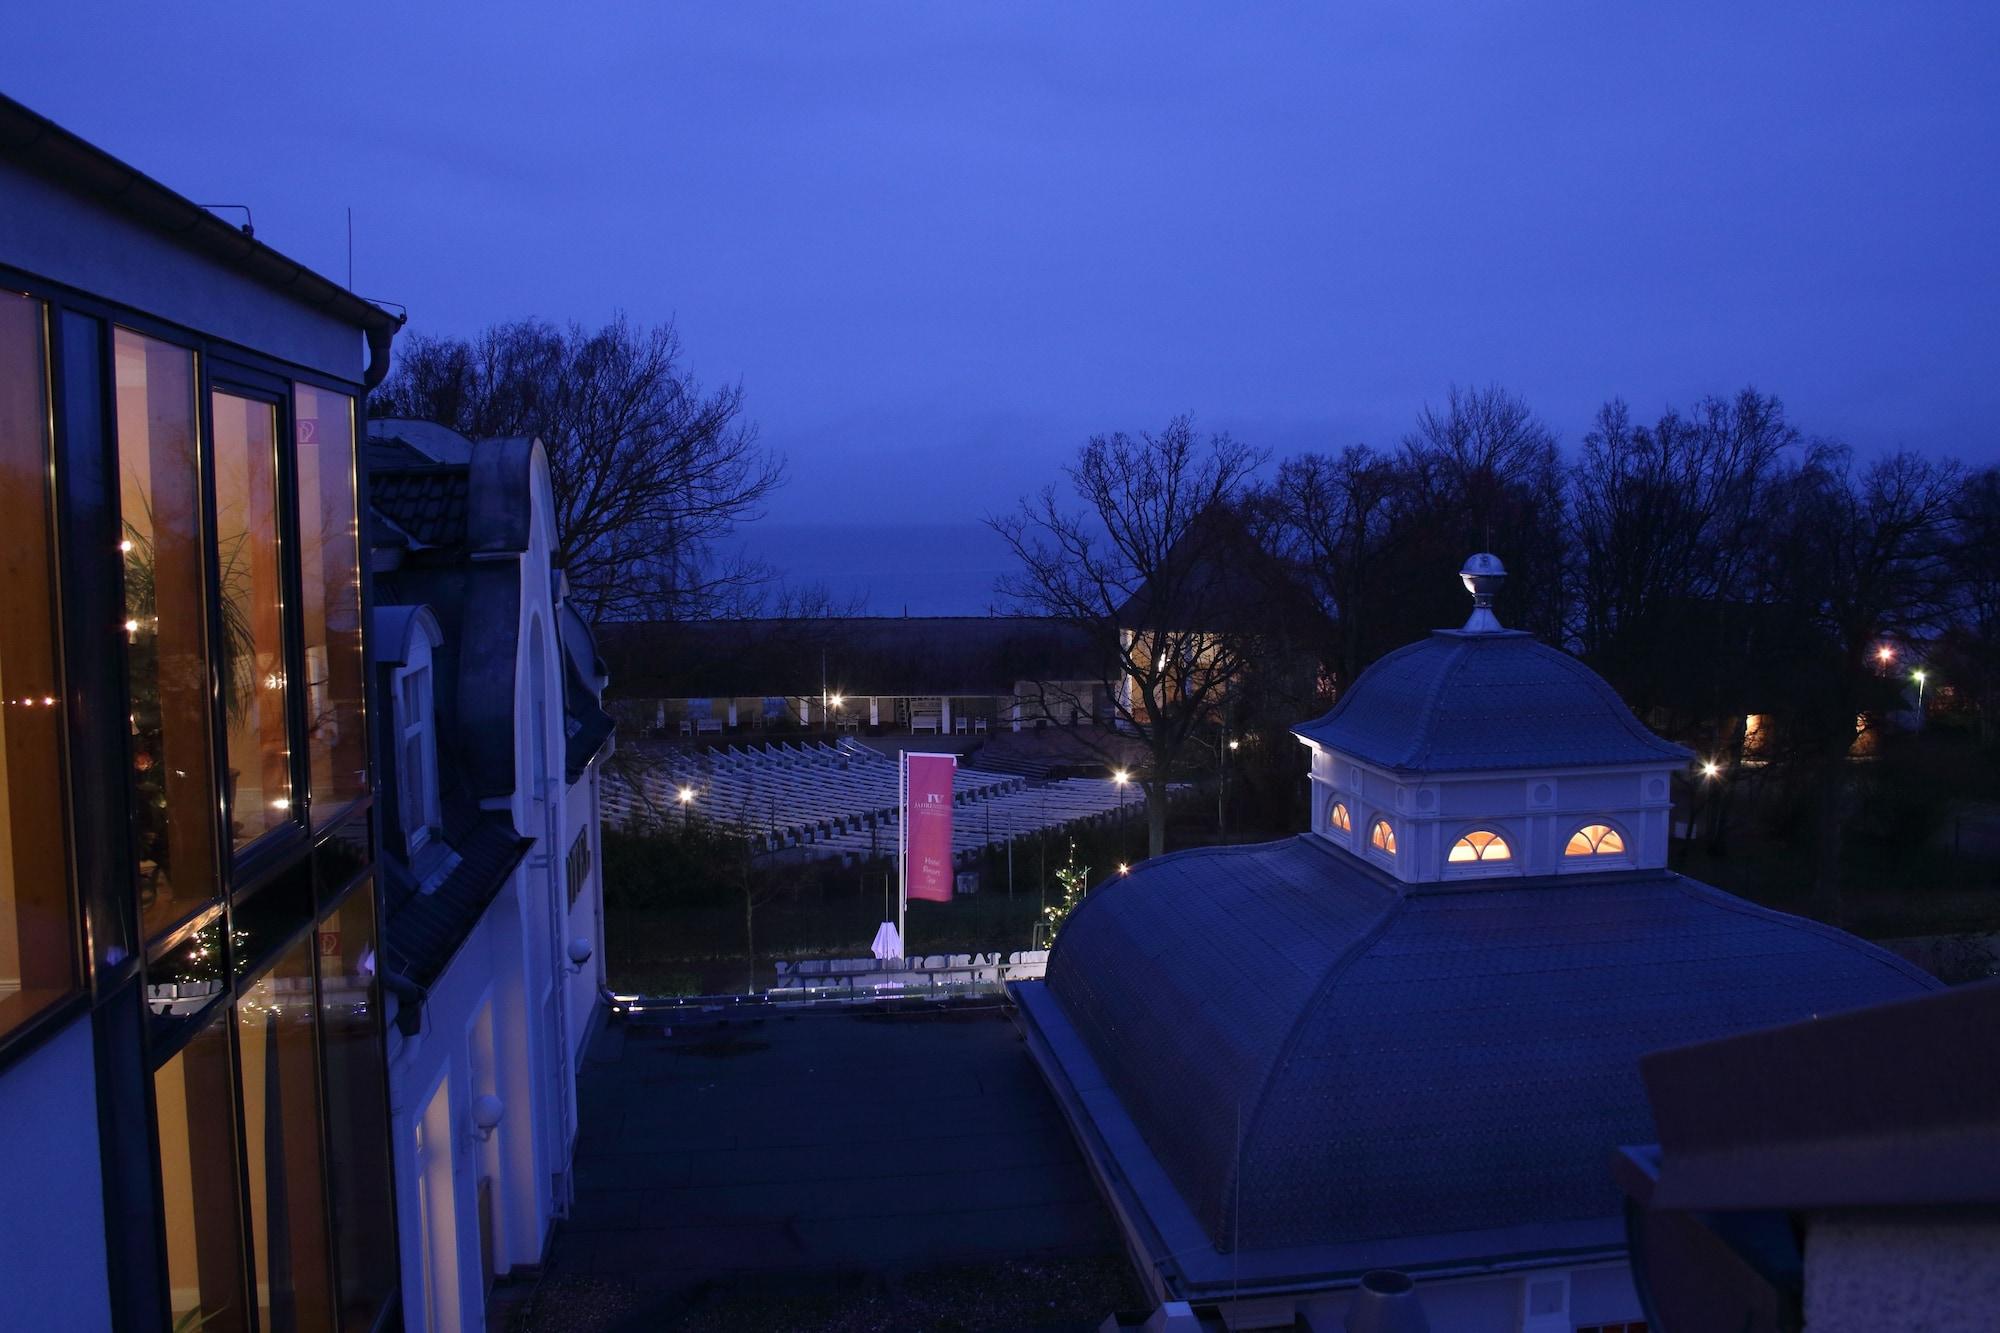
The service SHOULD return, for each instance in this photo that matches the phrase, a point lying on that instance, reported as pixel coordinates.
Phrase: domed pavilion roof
(1318, 1055)
(1493, 699)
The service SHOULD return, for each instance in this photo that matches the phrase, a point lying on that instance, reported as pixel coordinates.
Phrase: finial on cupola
(1483, 574)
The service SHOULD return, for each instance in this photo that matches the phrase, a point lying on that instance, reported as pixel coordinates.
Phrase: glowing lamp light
(1124, 869)
(1709, 768)
(282, 803)
(687, 794)
(1917, 676)
(1121, 777)
(1235, 744)
(1885, 654)
(835, 700)
(125, 546)
(131, 627)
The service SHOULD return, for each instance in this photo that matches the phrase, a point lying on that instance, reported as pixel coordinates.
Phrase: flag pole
(902, 846)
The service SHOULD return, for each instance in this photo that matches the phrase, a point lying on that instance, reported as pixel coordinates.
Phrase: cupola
(1482, 752)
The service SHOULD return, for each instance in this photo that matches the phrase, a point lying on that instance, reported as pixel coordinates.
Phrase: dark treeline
(1713, 563)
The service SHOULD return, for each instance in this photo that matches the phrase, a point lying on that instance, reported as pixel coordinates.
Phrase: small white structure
(1481, 752)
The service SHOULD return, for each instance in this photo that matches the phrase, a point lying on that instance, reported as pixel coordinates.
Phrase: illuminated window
(1382, 838)
(329, 557)
(1339, 819)
(36, 965)
(1595, 840)
(1481, 845)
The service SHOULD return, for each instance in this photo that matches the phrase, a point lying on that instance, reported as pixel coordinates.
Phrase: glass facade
(357, 1135)
(194, 1112)
(166, 626)
(249, 569)
(278, 1054)
(37, 955)
(330, 574)
(185, 787)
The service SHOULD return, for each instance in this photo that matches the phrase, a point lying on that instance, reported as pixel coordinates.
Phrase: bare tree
(1331, 516)
(1482, 473)
(1667, 522)
(1852, 560)
(1156, 569)
(649, 471)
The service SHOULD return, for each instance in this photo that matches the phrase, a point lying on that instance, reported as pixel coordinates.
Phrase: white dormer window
(1595, 840)
(1382, 838)
(1478, 846)
(416, 756)
(1338, 819)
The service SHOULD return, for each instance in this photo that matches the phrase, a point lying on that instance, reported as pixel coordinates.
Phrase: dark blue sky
(941, 243)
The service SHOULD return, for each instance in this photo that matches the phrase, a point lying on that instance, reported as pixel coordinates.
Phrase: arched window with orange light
(1337, 818)
(1479, 847)
(1382, 838)
(1595, 840)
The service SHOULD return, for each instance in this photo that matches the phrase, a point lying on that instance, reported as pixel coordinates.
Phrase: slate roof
(1464, 701)
(427, 502)
(421, 931)
(1416, 1060)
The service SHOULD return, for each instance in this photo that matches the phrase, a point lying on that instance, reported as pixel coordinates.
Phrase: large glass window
(159, 476)
(194, 1097)
(330, 569)
(357, 1130)
(253, 642)
(281, 1142)
(37, 961)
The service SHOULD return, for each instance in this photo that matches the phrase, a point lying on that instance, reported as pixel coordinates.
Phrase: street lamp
(687, 804)
(1709, 768)
(1121, 777)
(1885, 654)
(1918, 676)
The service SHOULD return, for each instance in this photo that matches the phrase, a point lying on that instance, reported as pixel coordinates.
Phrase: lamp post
(1919, 676)
(687, 806)
(1121, 778)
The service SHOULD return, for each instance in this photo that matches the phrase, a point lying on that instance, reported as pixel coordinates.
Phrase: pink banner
(928, 818)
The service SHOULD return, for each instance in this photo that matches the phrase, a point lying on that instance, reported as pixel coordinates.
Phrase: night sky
(942, 243)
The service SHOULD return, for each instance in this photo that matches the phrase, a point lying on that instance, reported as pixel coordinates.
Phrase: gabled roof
(1494, 700)
(1318, 1056)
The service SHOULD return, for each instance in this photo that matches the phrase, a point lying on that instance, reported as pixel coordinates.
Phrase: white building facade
(493, 917)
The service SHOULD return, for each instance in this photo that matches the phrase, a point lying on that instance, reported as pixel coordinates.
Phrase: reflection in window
(159, 479)
(1340, 819)
(1595, 840)
(253, 645)
(36, 966)
(281, 1144)
(1480, 845)
(193, 1096)
(357, 1134)
(1382, 838)
(330, 575)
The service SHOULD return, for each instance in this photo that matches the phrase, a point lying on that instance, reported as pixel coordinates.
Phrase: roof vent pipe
(1483, 575)
(1387, 1301)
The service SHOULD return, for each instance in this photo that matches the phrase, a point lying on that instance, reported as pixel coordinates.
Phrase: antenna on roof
(1483, 574)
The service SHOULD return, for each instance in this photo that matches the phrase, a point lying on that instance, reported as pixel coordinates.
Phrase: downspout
(379, 339)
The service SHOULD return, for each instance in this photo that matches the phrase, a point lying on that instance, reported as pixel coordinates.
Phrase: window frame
(1377, 849)
(1339, 820)
(423, 729)
(31, 1029)
(227, 377)
(1482, 866)
(1596, 860)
